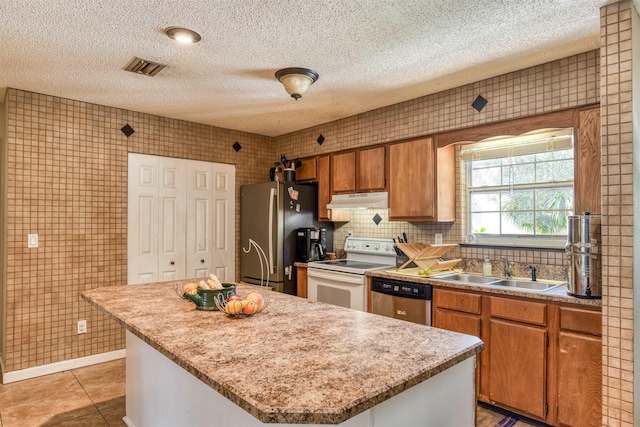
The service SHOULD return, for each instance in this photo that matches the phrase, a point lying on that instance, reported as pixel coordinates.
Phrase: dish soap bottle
(486, 267)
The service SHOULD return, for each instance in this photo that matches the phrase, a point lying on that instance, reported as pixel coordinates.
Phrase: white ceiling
(368, 53)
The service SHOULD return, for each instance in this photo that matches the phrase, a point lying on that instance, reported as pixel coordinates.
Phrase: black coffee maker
(312, 244)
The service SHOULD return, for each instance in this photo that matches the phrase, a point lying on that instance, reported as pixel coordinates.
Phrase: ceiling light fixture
(182, 35)
(296, 81)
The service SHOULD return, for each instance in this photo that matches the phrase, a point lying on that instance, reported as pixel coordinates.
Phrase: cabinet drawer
(581, 320)
(521, 311)
(459, 301)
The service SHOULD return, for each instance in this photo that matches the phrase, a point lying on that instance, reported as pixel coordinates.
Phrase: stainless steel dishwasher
(401, 300)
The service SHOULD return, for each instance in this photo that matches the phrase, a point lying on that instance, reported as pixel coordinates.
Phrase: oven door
(337, 288)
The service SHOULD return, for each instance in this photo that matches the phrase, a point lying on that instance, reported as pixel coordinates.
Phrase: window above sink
(520, 190)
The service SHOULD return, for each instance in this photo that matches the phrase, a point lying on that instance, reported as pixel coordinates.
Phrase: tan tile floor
(94, 396)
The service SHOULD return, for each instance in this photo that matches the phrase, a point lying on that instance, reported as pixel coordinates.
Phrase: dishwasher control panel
(401, 289)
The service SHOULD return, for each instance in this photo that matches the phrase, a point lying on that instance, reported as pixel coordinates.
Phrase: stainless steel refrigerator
(270, 214)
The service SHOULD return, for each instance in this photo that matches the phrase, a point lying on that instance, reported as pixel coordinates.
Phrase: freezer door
(261, 220)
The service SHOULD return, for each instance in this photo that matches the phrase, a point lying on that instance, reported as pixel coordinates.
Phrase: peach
(249, 308)
(258, 299)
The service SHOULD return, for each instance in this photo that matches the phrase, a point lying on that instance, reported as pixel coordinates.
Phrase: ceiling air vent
(142, 66)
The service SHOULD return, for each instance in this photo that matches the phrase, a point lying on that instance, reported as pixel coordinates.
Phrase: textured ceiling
(368, 53)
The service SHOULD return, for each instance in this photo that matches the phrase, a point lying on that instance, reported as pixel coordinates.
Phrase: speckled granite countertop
(296, 362)
(558, 294)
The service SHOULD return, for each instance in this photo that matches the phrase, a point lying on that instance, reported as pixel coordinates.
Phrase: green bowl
(205, 299)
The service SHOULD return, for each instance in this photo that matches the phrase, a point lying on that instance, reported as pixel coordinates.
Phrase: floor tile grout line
(89, 396)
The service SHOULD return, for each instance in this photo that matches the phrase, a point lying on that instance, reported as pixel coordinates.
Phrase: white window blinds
(535, 142)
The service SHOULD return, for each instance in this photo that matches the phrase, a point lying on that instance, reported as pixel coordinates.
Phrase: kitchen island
(297, 362)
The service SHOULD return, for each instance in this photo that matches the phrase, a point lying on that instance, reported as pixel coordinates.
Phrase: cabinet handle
(202, 261)
(172, 263)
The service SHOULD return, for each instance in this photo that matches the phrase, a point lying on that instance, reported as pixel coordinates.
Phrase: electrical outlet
(438, 239)
(82, 326)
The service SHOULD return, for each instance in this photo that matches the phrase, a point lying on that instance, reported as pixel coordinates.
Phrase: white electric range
(342, 281)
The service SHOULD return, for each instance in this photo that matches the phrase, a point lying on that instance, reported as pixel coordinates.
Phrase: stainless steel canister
(584, 255)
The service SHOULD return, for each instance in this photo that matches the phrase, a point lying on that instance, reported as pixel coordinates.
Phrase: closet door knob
(172, 263)
(202, 261)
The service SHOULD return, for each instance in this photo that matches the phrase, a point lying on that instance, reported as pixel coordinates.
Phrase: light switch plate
(32, 241)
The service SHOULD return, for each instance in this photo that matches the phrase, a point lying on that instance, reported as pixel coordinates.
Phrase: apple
(234, 298)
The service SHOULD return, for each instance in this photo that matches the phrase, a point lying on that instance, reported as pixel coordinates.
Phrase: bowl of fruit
(238, 305)
(204, 293)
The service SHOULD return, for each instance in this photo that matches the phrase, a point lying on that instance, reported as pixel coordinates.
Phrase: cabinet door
(412, 180)
(370, 170)
(324, 194)
(307, 172)
(456, 322)
(518, 362)
(579, 380)
(587, 163)
(463, 323)
(343, 172)
(301, 281)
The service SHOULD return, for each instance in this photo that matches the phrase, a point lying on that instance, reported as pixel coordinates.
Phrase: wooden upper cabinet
(324, 193)
(421, 181)
(587, 162)
(308, 171)
(343, 172)
(358, 171)
(370, 169)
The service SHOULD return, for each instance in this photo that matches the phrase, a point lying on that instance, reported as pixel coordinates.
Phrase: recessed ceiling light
(182, 35)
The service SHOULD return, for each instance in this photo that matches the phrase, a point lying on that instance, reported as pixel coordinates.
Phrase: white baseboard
(128, 421)
(65, 365)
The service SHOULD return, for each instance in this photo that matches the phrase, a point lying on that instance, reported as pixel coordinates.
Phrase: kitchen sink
(522, 284)
(469, 278)
(527, 284)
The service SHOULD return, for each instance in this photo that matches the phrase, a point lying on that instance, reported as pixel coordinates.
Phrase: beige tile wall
(558, 85)
(617, 209)
(61, 153)
(67, 181)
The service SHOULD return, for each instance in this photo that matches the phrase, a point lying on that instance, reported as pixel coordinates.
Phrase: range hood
(359, 201)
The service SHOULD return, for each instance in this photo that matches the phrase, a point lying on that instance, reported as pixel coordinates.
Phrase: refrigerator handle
(272, 197)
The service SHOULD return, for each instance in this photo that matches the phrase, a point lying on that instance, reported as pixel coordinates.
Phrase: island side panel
(161, 393)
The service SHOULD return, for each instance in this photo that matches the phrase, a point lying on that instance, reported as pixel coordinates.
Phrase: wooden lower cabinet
(579, 368)
(518, 367)
(301, 275)
(459, 312)
(541, 359)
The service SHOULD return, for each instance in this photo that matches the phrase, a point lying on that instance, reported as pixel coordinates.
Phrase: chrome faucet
(507, 266)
